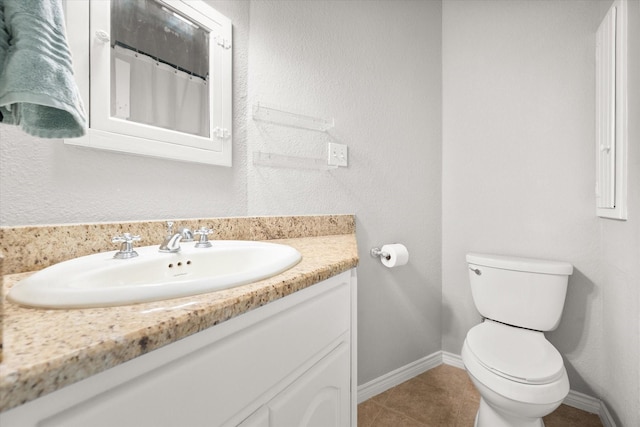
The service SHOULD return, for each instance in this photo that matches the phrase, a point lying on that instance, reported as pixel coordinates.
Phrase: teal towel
(4, 47)
(37, 88)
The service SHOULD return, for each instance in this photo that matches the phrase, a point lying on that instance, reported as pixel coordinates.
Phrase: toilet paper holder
(377, 252)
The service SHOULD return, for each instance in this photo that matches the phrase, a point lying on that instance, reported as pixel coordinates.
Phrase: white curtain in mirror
(178, 99)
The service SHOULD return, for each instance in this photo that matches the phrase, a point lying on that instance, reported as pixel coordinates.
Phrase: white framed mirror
(156, 76)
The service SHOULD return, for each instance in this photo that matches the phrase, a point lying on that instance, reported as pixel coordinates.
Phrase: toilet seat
(508, 377)
(519, 355)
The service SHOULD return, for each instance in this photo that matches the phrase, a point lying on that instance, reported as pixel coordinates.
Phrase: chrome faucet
(187, 235)
(171, 243)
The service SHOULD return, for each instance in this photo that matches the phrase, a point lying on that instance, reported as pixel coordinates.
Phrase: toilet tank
(523, 292)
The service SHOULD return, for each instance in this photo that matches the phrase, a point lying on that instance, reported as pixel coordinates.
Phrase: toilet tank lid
(530, 265)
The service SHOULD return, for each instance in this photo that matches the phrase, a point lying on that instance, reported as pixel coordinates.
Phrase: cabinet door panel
(319, 398)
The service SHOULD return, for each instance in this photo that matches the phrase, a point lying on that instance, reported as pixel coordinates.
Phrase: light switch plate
(338, 155)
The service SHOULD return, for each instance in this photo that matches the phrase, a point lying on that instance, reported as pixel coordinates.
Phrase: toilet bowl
(520, 382)
(519, 374)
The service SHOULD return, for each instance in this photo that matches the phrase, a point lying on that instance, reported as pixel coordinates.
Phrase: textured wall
(620, 261)
(44, 181)
(375, 67)
(518, 162)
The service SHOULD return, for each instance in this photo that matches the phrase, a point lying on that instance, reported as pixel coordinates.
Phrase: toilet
(519, 374)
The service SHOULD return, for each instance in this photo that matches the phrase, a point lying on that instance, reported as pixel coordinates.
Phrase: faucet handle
(125, 237)
(126, 249)
(204, 240)
(169, 228)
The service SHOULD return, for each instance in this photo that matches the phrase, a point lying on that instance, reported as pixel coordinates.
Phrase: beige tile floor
(445, 397)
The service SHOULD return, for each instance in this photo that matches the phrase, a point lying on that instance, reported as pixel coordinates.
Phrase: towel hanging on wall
(37, 88)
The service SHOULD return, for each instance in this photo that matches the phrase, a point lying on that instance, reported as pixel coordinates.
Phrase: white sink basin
(100, 280)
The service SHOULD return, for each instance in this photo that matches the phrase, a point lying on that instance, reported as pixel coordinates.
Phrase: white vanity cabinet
(290, 363)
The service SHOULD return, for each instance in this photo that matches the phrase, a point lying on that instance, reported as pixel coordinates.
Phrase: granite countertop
(45, 350)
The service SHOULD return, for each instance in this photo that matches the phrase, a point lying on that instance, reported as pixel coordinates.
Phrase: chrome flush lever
(476, 270)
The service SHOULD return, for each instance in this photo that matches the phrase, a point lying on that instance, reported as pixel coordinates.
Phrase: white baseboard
(605, 416)
(590, 404)
(385, 382)
(398, 376)
(452, 359)
(582, 401)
